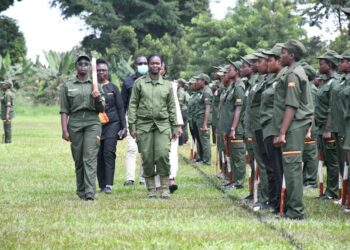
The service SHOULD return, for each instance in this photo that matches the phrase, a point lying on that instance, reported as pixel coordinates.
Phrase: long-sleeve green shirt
(152, 103)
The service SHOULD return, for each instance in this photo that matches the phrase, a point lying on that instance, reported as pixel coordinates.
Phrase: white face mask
(142, 69)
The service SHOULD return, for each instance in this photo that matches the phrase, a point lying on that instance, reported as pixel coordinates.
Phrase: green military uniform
(204, 97)
(293, 90)
(7, 103)
(327, 147)
(183, 98)
(254, 118)
(84, 129)
(215, 108)
(152, 115)
(310, 146)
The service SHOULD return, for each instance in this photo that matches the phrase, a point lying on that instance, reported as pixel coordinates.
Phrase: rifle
(320, 172)
(345, 184)
(283, 196)
(228, 160)
(256, 182)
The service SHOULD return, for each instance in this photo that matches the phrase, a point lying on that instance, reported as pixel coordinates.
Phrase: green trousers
(85, 137)
(237, 156)
(221, 149)
(293, 171)
(249, 146)
(203, 145)
(8, 132)
(339, 143)
(329, 151)
(310, 159)
(154, 147)
(263, 189)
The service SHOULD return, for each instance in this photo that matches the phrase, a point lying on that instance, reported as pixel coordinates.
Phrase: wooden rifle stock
(256, 182)
(345, 184)
(283, 196)
(320, 173)
(228, 160)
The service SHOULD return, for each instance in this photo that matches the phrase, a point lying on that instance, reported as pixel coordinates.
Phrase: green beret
(345, 55)
(204, 77)
(236, 64)
(275, 51)
(295, 47)
(309, 70)
(331, 56)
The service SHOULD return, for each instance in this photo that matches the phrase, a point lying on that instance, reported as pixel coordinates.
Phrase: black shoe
(172, 188)
(89, 197)
(326, 197)
(129, 183)
(107, 190)
(249, 197)
(301, 217)
(310, 185)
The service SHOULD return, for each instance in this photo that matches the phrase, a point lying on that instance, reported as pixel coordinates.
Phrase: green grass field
(39, 209)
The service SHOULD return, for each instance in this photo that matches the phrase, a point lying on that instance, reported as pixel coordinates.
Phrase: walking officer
(81, 126)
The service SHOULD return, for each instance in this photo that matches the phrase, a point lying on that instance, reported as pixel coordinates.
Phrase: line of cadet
(278, 114)
(7, 110)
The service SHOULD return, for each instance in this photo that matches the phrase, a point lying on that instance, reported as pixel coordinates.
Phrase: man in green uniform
(310, 144)
(254, 116)
(293, 110)
(274, 167)
(215, 87)
(327, 142)
(234, 124)
(7, 111)
(152, 121)
(80, 105)
(183, 97)
(202, 118)
(249, 71)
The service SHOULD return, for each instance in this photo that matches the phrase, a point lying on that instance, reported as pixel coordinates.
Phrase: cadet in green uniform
(81, 126)
(258, 145)
(202, 118)
(234, 124)
(274, 167)
(7, 111)
(337, 121)
(191, 108)
(152, 121)
(215, 87)
(327, 142)
(249, 71)
(293, 110)
(310, 144)
(183, 97)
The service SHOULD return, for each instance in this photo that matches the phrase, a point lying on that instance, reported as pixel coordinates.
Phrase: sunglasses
(83, 63)
(142, 63)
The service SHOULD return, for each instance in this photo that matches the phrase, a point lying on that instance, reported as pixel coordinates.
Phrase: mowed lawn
(39, 209)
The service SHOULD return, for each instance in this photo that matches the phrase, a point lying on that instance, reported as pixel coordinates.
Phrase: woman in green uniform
(81, 105)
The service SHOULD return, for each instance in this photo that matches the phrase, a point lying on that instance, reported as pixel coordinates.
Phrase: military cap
(236, 64)
(275, 51)
(345, 55)
(331, 56)
(295, 47)
(322, 77)
(346, 10)
(249, 59)
(225, 68)
(259, 54)
(82, 56)
(6, 83)
(309, 70)
(204, 77)
(192, 81)
(181, 81)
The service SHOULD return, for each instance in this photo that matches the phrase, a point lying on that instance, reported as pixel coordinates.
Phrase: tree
(250, 25)
(317, 11)
(4, 4)
(12, 41)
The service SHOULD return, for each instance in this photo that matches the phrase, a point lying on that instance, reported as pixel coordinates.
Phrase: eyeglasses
(142, 63)
(83, 63)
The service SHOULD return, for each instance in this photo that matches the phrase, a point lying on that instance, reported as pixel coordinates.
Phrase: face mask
(142, 69)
